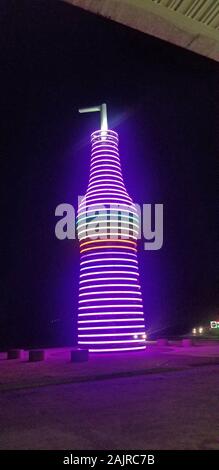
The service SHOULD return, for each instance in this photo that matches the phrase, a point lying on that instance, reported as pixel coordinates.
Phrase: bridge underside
(192, 24)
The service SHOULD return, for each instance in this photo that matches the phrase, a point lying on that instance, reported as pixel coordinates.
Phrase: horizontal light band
(135, 348)
(95, 172)
(104, 185)
(107, 259)
(109, 279)
(105, 191)
(129, 242)
(112, 236)
(117, 217)
(109, 298)
(102, 177)
(111, 148)
(109, 266)
(93, 248)
(108, 335)
(110, 292)
(100, 247)
(107, 198)
(113, 164)
(109, 272)
(110, 327)
(110, 285)
(106, 222)
(89, 202)
(116, 235)
(110, 305)
(111, 320)
(113, 342)
(100, 209)
(110, 180)
(98, 159)
(112, 225)
(110, 253)
(108, 147)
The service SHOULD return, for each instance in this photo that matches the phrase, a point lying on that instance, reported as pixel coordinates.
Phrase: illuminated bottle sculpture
(110, 312)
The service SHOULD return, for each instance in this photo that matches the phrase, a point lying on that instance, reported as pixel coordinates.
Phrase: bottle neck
(105, 168)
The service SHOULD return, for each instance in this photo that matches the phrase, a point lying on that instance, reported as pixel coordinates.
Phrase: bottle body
(110, 309)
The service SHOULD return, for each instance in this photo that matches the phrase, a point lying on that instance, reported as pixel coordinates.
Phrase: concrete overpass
(192, 24)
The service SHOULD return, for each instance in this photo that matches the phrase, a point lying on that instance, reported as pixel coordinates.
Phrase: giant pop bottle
(110, 310)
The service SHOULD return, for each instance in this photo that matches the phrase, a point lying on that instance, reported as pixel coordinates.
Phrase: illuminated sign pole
(110, 311)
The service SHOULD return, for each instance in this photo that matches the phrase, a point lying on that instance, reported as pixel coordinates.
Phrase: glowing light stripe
(105, 186)
(101, 177)
(96, 232)
(107, 200)
(119, 207)
(108, 279)
(104, 183)
(98, 158)
(113, 164)
(100, 248)
(108, 306)
(96, 335)
(110, 285)
(113, 327)
(107, 179)
(108, 259)
(94, 172)
(101, 241)
(92, 195)
(110, 320)
(121, 219)
(101, 209)
(135, 348)
(111, 236)
(111, 150)
(98, 223)
(108, 194)
(109, 147)
(109, 272)
(111, 292)
(110, 266)
(113, 342)
(103, 299)
(110, 246)
(115, 219)
(111, 253)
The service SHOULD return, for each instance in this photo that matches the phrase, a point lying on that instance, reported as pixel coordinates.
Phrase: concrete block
(79, 355)
(36, 355)
(15, 353)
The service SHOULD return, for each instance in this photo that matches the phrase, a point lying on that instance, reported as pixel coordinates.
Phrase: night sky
(162, 100)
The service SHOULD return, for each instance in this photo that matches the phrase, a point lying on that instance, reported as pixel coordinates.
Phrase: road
(171, 410)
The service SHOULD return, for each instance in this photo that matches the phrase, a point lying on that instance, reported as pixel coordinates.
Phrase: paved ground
(171, 410)
(161, 398)
(57, 368)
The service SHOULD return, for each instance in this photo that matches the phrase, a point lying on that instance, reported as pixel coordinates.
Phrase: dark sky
(162, 101)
